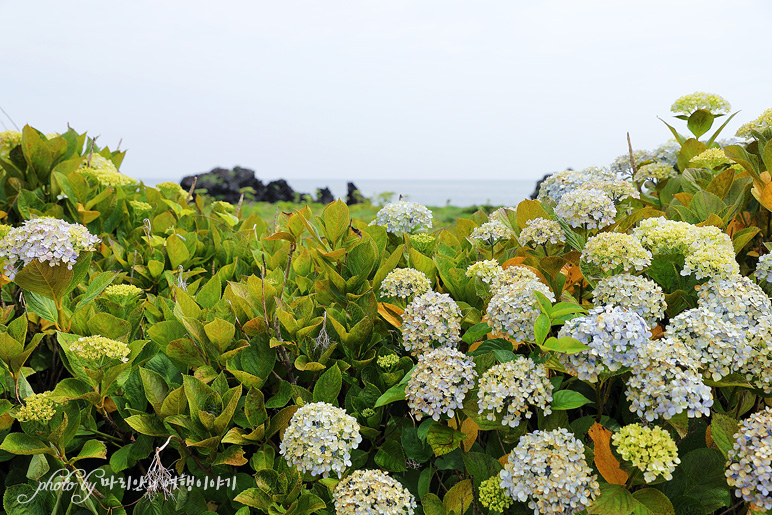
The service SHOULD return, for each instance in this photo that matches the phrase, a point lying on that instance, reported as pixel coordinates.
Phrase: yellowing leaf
(607, 464)
(391, 313)
(470, 428)
(766, 196)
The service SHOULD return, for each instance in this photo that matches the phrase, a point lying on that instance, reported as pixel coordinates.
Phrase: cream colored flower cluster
(405, 282)
(616, 189)
(402, 216)
(655, 172)
(491, 232)
(514, 385)
(558, 184)
(492, 496)
(548, 470)
(540, 231)
(615, 336)
(371, 492)
(622, 166)
(709, 102)
(650, 449)
(764, 268)
(762, 123)
(591, 208)
(749, 470)
(439, 383)
(488, 271)
(122, 294)
(9, 140)
(636, 293)
(616, 252)
(737, 300)
(513, 308)
(94, 348)
(48, 240)
(758, 369)
(38, 407)
(320, 438)
(711, 158)
(103, 171)
(430, 318)
(707, 251)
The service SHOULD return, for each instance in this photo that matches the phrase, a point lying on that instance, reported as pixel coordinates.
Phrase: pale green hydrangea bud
(404, 283)
(8, 140)
(170, 190)
(423, 243)
(94, 348)
(492, 496)
(103, 171)
(491, 232)
(4, 229)
(388, 361)
(762, 123)
(655, 172)
(439, 383)
(320, 438)
(141, 209)
(223, 207)
(650, 449)
(616, 252)
(371, 492)
(122, 294)
(514, 385)
(540, 231)
(709, 102)
(38, 407)
(711, 158)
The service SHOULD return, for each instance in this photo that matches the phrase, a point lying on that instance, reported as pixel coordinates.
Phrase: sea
(460, 193)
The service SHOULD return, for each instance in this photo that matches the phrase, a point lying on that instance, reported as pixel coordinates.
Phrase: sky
(365, 89)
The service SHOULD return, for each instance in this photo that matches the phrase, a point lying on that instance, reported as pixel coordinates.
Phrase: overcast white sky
(364, 89)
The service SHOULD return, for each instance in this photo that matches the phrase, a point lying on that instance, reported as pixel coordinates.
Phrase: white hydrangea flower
(439, 383)
(514, 275)
(667, 153)
(763, 122)
(548, 470)
(616, 189)
(720, 346)
(655, 172)
(48, 240)
(372, 492)
(615, 336)
(514, 385)
(712, 103)
(636, 293)
(750, 461)
(622, 166)
(402, 216)
(405, 282)
(491, 232)
(558, 184)
(488, 271)
(650, 449)
(592, 208)
(94, 348)
(429, 318)
(737, 299)
(616, 252)
(320, 438)
(758, 369)
(764, 268)
(540, 231)
(513, 308)
(666, 381)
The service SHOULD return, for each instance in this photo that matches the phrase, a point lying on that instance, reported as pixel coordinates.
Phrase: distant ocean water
(461, 193)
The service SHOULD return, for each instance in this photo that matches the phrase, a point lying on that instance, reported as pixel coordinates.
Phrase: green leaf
(699, 122)
(542, 328)
(49, 281)
(282, 396)
(393, 394)
(475, 333)
(92, 449)
(723, 430)
(327, 388)
(155, 387)
(613, 500)
(700, 476)
(391, 457)
(742, 237)
(432, 505)
(444, 439)
(459, 498)
(38, 466)
(481, 466)
(22, 443)
(221, 333)
(564, 345)
(95, 287)
(147, 425)
(568, 399)
(177, 250)
(652, 502)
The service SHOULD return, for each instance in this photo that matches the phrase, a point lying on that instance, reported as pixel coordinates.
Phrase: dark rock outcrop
(324, 196)
(278, 191)
(225, 184)
(353, 196)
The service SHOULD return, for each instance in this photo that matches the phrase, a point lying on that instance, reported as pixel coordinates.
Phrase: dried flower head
(439, 383)
(370, 492)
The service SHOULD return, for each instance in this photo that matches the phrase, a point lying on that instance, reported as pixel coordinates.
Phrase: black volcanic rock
(224, 184)
(324, 196)
(278, 191)
(353, 196)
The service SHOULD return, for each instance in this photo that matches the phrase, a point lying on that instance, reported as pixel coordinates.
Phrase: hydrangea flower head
(141, 209)
(548, 470)
(94, 348)
(709, 102)
(750, 461)
(737, 299)
(9, 140)
(616, 252)
(622, 166)
(711, 158)
(616, 189)
(170, 190)
(122, 294)
(657, 171)
(667, 153)
(540, 231)
(615, 336)
(38, 407)
(48, 240)
(635, 293)
(492, 496)
(429, 318)
(758, 368)
(764, 268)
(491, 232)
(103, 171)
(402, 216)
(558, 184)
(650, 449)
(762, 123)
(370, 492)
(666, 381)
(439, 383)
(388, 361)
(514, 308)
(514, 386)
(488, 271)
(405, 282)
(423, 242)
(320, 438)
(592, 208)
